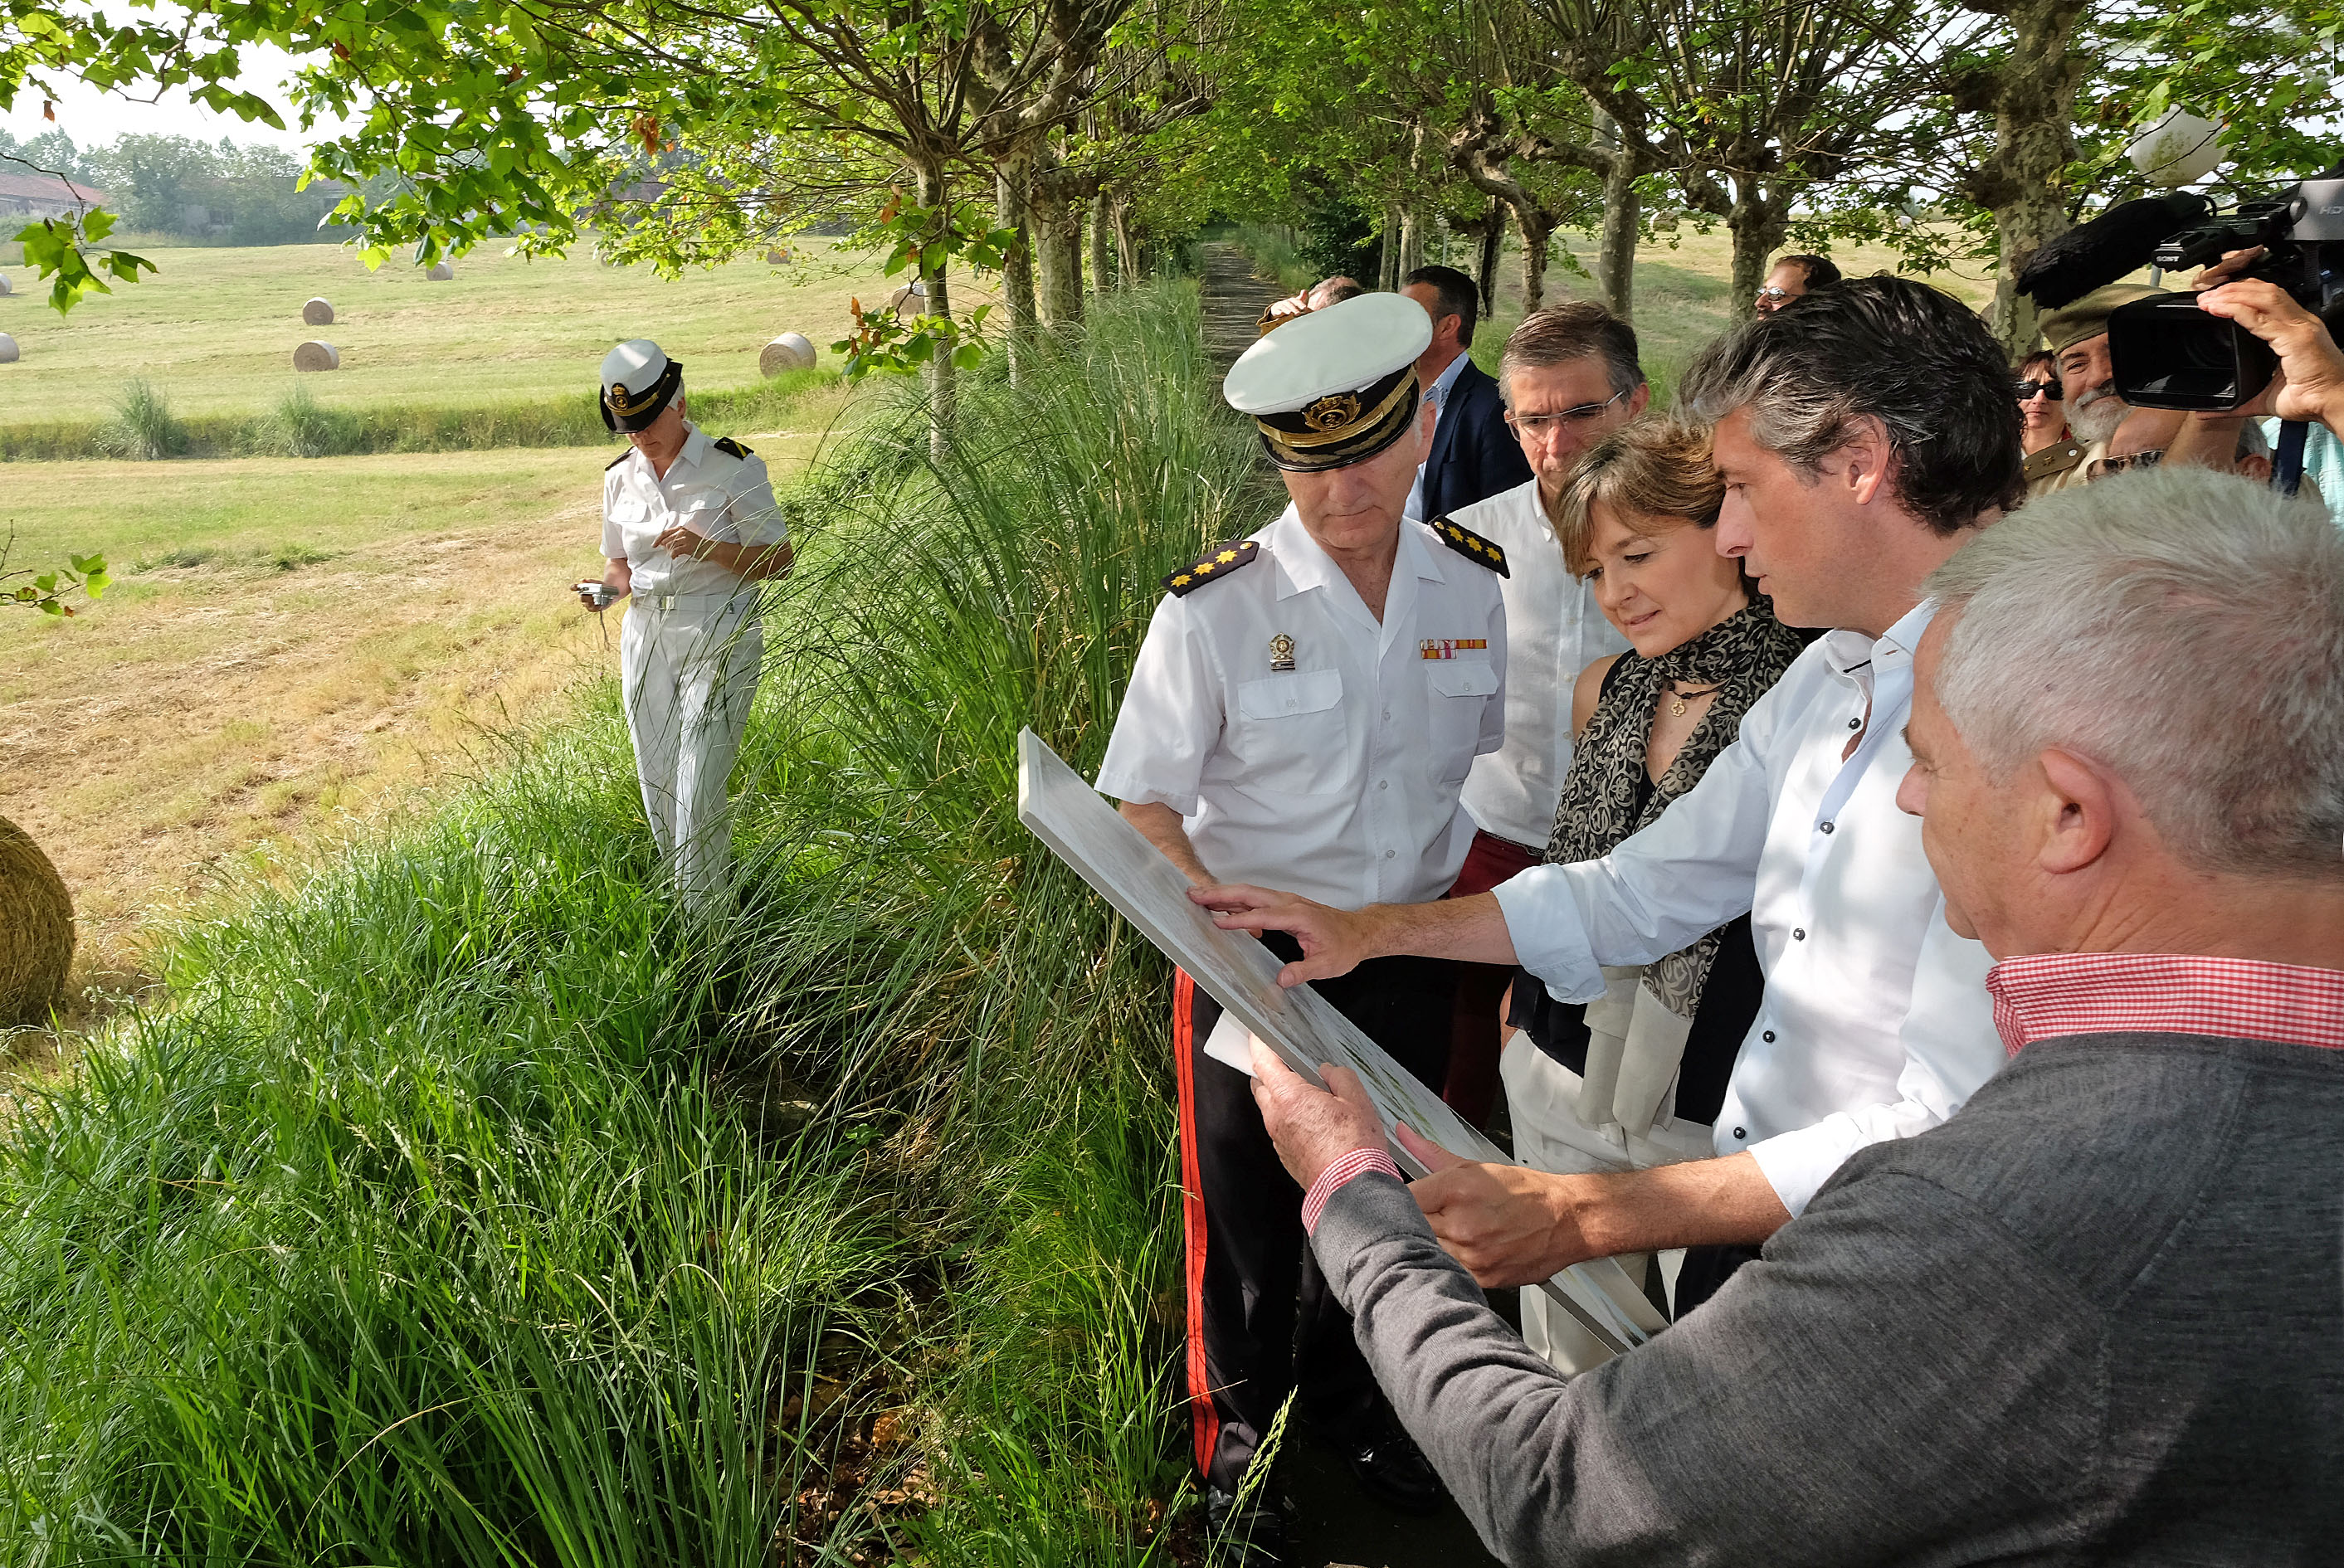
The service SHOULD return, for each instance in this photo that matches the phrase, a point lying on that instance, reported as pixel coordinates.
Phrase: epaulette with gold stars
(729, 447)
(1211, 566)
(2054, 460)
(1470, 545)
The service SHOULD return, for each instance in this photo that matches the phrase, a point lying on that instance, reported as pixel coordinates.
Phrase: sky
(92, 117)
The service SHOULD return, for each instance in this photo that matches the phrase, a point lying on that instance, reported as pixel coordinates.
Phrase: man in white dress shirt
(1863, 438)
(1569, 377)
(689, 528)
(1304, 706)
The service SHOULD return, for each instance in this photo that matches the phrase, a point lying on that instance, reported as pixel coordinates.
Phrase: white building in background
(39, 195)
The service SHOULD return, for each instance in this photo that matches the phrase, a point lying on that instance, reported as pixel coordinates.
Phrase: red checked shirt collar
(2045, 995)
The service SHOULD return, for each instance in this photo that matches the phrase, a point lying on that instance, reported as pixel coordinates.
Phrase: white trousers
(1542, 1098)
(688, 672)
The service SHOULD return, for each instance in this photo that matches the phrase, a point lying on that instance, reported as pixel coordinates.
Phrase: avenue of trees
(1048, 139)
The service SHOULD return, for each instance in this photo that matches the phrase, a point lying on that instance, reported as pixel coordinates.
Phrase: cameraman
(2309, 382)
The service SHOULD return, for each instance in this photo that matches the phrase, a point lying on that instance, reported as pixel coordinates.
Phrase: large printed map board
(1065, 813)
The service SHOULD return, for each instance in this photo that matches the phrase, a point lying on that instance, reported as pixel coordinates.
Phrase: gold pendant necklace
(1678, 699)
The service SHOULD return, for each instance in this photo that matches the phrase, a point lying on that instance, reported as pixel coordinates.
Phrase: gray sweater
(2099, 1317)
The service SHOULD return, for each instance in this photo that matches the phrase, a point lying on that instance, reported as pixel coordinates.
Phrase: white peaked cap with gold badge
(1337, 386)
(637, 381)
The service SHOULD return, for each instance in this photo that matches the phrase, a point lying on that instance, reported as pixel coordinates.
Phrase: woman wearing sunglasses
(2043, 433)
(2042, 417)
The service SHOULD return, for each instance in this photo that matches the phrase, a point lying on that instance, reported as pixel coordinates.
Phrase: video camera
(2167, 353)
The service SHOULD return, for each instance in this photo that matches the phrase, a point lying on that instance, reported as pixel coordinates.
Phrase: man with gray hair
(1864, 436)
(2093, 1318)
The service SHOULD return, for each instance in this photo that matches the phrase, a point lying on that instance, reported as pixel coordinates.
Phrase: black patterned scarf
(1742, 655)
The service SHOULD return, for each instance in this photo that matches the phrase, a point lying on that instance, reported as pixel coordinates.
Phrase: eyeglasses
(2038, 389)
(2101, 468)
(1539, 424)
(1776, 294)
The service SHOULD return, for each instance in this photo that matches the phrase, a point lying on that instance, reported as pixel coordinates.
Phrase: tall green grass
(143, 426)
(298, 426)
(469, 1205)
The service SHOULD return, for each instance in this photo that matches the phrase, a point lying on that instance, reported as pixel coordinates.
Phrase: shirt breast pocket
(1292, 734)
(704, 512)
(1456, 693)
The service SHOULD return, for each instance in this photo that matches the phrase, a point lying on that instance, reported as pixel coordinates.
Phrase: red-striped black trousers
(1261, 1318)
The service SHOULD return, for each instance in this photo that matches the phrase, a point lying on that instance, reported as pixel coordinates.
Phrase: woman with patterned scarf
(1637, 1077)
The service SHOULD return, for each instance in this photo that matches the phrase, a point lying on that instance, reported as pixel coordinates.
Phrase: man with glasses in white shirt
(1569, 377)
(1863, 438)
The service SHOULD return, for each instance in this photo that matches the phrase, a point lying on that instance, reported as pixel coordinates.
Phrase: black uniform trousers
(1262, 1321)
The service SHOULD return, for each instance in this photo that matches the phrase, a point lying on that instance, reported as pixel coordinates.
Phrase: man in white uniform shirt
(689, 528)
(1569, 377)
(1863, 434)
(1304, 706)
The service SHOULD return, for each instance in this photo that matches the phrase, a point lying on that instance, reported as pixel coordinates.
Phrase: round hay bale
(6, 287)
(778, 256)
(910, 300)
(314, 355)
(36, 929)
(790, 352)
(318, 313)
(440, 273)
(7, 350)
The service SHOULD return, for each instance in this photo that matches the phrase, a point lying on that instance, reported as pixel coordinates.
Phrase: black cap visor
(626, 411)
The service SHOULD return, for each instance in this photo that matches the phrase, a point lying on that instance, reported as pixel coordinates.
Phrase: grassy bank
(468, 1206)
(145, 424)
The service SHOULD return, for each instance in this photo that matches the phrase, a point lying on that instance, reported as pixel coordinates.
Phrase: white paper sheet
(1086, 832)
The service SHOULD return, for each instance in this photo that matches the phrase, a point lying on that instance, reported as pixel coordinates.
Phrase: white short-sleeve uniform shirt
(1337, 778)
(1553, 631)
(728, 499)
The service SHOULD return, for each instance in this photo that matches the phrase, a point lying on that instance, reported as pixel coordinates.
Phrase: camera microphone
(2118, 243)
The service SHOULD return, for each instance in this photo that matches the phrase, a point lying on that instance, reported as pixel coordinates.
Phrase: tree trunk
(1493, 245)
(1411, 239)
(1388, 267)
(1758, 223)
(1126, 243)
(1058, 246)
(1099, 263)
(1615, 262)
(1009, 182)
(943, 389)
(2033, 98)
(1537, 229)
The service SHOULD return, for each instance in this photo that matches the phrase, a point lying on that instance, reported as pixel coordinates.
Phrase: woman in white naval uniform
(689, 528)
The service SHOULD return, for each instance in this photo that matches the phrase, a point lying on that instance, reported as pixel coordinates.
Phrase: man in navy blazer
(1474, 455)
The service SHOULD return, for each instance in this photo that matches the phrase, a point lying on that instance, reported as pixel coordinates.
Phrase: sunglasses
(1539, 424)
(2038, 389)
(2101, 468)
(1774, 294)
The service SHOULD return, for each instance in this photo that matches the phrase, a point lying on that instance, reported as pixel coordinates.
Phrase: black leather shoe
(1389, 1465)
(1253, 1536)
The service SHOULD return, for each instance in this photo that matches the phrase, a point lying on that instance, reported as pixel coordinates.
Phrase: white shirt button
(1383, 784)
(1798, 933)
(1826, 827)
(1389, 853)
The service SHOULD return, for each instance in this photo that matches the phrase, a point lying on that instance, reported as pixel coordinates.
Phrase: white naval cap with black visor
(1334, 387)
(638, 382)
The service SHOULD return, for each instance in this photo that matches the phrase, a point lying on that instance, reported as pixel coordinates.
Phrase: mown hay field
(215, 328)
